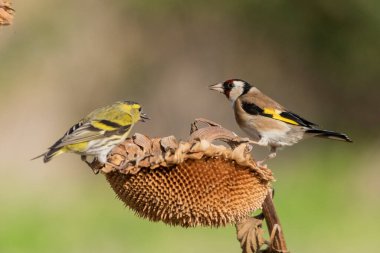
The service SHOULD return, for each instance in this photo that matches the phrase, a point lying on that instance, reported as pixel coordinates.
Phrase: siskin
(98, 132)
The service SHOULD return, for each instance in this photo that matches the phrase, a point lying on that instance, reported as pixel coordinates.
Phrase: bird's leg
(84, 159)
(93, 165)
(272, 154)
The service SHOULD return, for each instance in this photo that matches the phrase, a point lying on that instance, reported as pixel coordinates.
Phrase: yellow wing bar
(275, 114)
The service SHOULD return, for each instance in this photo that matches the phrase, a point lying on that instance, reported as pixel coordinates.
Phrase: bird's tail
(50, 154)
(329, 135)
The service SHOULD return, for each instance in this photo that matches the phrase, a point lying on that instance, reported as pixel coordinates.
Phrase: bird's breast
(268, 131)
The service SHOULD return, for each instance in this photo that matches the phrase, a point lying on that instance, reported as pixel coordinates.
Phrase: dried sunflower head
(188, 183)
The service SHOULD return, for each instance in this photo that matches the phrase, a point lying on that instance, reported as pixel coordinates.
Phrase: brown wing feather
(80, 132)
(256, 100)
(261, 100)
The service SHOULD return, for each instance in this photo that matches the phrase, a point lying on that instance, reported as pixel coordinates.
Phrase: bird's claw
(94, 164)
(262, 164)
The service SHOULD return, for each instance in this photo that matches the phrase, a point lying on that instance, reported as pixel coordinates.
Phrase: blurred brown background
(61, 59)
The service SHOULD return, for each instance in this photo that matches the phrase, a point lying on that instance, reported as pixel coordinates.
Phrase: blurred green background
(61, 59)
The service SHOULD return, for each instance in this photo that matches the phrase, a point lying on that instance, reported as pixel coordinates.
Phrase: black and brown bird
(267, 122)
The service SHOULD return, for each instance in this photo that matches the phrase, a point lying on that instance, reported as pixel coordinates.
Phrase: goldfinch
(98, 132)
(267, 122)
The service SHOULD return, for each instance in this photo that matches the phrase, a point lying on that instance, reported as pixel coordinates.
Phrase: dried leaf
(169, 143)
(250, 235)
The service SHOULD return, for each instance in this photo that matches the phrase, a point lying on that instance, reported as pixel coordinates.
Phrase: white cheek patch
(235, 93)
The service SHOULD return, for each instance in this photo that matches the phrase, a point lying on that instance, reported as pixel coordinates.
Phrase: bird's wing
(300, 121)
(88, 131)
(261, 100)
(260, 104)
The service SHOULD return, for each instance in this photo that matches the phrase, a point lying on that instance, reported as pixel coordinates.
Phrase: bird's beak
(143, 117)
(217, 87)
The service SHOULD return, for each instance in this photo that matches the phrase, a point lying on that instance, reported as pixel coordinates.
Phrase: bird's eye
(230, 85)
(140, 109)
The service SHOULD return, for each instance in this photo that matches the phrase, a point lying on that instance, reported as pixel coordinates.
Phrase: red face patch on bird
(232, 88)
(227, 87)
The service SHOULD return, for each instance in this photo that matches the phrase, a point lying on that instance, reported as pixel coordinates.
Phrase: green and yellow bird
(98, 132)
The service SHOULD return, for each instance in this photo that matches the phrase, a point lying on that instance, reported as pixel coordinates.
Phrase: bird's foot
(271, 155)
(94, 164)
(262, 164)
